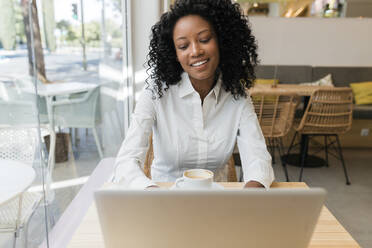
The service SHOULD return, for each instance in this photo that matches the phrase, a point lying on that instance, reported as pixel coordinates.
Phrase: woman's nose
(196, 50)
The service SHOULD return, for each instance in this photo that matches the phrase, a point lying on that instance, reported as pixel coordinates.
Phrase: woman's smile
(199, 63)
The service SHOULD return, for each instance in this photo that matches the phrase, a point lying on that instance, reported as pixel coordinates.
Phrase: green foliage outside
(19, 25)
(12, 30)
(92, 32)
(71, 34)
(66, 32)
(7, 27)
(114, 30)
(49, 24)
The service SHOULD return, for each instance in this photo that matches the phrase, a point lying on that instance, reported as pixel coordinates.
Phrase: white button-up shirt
(188, 134)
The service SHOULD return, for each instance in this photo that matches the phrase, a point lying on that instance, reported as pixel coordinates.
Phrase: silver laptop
(218, 219)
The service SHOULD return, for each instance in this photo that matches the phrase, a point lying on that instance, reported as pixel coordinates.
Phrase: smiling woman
(202, 58)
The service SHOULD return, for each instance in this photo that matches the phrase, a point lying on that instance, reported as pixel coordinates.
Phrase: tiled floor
(352, 205)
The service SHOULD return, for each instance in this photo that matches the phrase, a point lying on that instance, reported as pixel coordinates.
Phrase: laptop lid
(219, 219)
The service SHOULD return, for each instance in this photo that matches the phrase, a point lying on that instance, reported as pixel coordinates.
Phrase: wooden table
(301, 90)
(328, 232)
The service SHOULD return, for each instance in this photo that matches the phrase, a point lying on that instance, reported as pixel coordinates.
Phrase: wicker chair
(329, 113)
(275, 112)
(231, 173)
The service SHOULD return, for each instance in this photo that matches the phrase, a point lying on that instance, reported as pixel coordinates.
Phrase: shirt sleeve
(256, 160)
(131, 157)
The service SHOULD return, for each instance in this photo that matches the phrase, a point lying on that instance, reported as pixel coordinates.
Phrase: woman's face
(196, 47)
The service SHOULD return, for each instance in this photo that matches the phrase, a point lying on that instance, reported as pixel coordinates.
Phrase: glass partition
(24, 215)
(62, 103)
(85, 102)
(110, 73)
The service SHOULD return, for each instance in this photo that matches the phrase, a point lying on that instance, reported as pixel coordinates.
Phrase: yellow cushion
(362, 92)
(266, 81)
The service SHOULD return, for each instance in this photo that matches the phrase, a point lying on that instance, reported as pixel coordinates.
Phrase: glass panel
(111, 76)
(84, 111)
(23, 121)
(69, 118)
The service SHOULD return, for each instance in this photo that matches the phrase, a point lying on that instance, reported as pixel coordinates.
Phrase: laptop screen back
(219, 219)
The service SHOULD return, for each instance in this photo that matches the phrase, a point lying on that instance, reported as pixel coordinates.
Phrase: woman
(202, 58)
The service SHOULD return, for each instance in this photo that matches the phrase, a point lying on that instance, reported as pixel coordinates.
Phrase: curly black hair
(237, 45)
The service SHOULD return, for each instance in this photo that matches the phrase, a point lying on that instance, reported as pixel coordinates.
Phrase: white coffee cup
(195, 179)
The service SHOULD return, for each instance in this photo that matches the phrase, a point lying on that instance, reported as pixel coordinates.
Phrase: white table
(57, 89)
(15, 178)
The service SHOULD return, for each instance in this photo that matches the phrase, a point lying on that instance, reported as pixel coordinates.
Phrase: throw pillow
(362, 92)
(266, 81)
(325, 81)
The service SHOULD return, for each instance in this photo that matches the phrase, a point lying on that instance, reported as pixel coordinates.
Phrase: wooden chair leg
(231, 172)
(148, 159)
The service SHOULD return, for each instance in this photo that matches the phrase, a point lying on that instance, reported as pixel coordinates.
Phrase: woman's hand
(253, 184)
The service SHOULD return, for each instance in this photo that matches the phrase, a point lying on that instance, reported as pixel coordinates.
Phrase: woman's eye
(205, 40)
(182, 47)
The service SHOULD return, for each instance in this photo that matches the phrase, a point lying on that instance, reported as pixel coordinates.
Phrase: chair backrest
(275, 112)
(19, 107)
(231, 173)
(79, 110)
(330, 111)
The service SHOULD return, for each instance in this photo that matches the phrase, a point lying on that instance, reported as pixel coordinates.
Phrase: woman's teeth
(200, 63)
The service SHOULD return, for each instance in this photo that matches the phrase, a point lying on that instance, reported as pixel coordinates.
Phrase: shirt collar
(185, 86)
(217, 88)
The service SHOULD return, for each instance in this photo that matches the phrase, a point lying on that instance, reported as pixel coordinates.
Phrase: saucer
(215, 186)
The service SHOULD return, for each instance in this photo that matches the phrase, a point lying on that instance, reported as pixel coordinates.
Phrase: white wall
(314, 41)
(144, 14)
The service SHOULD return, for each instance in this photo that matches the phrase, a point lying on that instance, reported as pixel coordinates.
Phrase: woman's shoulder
(164, 92)
(155, 96)
(227, 96)
(238, 106)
